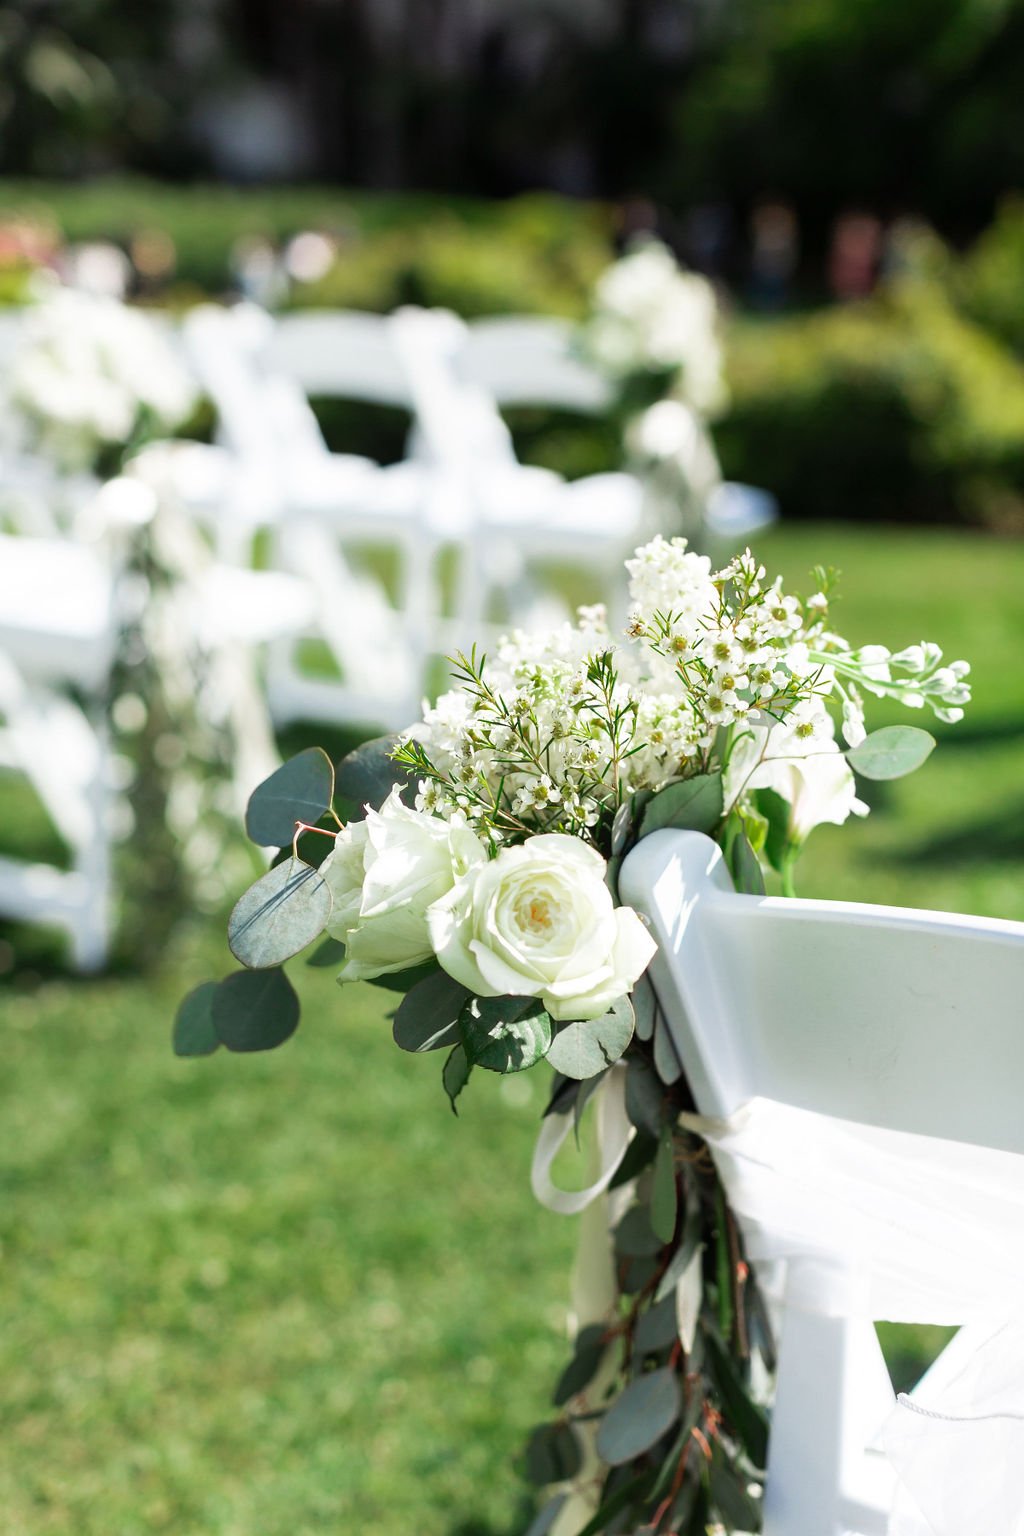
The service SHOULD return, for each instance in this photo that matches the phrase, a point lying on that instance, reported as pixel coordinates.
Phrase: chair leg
(833, 1394)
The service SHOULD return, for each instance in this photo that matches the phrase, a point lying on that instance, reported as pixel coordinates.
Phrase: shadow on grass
(987, 840)
(482, 1525)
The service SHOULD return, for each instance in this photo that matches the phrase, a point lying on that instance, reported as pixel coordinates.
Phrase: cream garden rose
(539, 921)
(383, 874)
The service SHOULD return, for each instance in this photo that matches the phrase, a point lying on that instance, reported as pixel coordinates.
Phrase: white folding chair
(902, 1020)
(58, 632)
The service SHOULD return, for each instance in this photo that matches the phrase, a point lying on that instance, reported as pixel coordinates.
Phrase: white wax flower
(798, 757)
(383, 874)
(539, 921)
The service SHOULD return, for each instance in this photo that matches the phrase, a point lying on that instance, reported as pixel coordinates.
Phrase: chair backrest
(530, 360)
(340, 353)
(892, 1017)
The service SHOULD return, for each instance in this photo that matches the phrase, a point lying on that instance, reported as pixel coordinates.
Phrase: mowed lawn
(289, 1295)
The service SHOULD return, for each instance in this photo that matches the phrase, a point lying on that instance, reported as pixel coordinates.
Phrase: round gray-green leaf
(255, 1010)
(505, 1034)
(300, 790)
(279, 915)
(890, 753)
(585, 1048)
(368, 775)
(194, 1034)
(693, 805)
(638, 1418)
(428, 1015)
(552, 1454)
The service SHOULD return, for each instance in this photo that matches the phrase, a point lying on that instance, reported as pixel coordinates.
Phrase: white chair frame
(901, 1019)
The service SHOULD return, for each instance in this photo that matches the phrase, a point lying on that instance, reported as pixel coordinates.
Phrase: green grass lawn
(290, 1295)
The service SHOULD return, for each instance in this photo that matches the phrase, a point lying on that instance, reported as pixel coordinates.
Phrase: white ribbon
(614, 1134)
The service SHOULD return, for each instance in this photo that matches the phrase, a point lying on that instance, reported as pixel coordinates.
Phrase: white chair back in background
(906, 1021)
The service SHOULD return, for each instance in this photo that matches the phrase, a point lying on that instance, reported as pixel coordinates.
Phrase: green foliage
(584, 1049)
(504, 1034)
(194, 1032)
(690, 804)
(897, 408)
(280, 915)
(367, 776)
(428, 1016)
(255, 1010)
(300, 790)
(892, 752)
(639, 1417)
(539, 253)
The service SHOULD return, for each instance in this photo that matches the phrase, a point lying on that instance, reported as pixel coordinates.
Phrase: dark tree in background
(893, 105)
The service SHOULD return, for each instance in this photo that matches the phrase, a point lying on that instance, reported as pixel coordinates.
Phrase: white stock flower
(798, 758)
(383, 874)
(539, 921)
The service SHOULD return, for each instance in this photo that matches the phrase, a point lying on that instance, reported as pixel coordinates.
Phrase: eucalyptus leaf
(616, 1502)
(553, 1454)
(664, 1200)
(504, 1034)
(645, 1007)
(368, 775)
(890, 753)
(728, 1486)
(194, 1034)
(546, 1517)
(586, 1048)
(622, 828)
(747, 1418)
(404, 981)
(328, 954)
(639, 1155)
(300, 790)
(634, 1235)
(656, 1328)
(666, 1058)
(777, 813)
(428, 1016)
(583, 1367)
(645, 1096)
(255, 1010)
(688, 1242)
(637, 1273)
(279, 915)
(455, 1074)
(694, 805)
(564, 1093)
(639, 1417)
(745, 866)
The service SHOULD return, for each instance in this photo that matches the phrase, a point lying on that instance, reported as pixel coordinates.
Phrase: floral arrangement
(89, 380)
(653, 332)
(478, 881)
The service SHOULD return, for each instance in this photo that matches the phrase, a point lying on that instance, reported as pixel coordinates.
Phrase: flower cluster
(649, 316)
(537, 921)
(90, 374)
(722, 671)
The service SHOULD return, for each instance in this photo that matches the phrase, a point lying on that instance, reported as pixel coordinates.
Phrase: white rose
(539, 921)
(383, 874)
(807, 770)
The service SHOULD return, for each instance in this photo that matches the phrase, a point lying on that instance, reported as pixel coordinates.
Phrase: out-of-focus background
(332, 336)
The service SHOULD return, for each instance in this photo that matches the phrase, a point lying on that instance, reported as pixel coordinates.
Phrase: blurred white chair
(58, 632)
(828, 1043)
(325, 513)
(536, 360)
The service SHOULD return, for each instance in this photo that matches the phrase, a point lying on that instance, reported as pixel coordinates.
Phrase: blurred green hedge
(539, 253)
(907, 406)
(898, 408)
